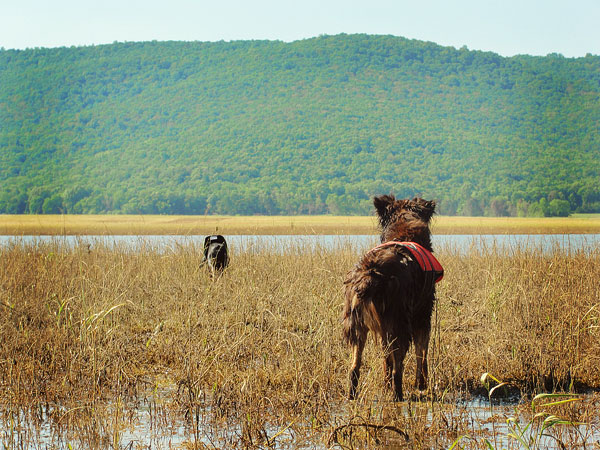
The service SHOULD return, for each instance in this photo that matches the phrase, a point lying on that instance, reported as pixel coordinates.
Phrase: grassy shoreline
(19, 225)
(260, 348)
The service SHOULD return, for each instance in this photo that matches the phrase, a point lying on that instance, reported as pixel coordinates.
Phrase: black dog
(215, 253)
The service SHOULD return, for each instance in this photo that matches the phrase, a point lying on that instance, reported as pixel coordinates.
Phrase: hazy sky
(507, 27)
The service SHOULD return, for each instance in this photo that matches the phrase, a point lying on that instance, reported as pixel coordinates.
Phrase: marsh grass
(20, 225)
(90, 336)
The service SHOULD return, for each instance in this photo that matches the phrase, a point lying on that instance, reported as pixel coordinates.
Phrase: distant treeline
(310, 127)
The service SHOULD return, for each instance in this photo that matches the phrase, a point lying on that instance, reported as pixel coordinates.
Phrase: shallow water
(145, 426)
(150, 423)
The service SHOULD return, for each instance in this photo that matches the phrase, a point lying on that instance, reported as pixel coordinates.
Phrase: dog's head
(404, 219)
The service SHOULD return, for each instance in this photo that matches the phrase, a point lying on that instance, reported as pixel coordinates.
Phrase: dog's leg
(388, 368)
(388, 362)
(357, 350)
(399, 349)
(421, 339)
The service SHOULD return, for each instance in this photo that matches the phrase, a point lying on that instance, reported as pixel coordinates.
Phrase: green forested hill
(314, 126)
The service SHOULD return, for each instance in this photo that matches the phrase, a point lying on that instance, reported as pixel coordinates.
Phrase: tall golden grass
(259, 349)
(19, 225)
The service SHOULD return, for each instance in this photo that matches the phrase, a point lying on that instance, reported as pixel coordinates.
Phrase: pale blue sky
(507, 27)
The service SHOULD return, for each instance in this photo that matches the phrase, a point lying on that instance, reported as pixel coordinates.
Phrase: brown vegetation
(90, 224)
(257, 352)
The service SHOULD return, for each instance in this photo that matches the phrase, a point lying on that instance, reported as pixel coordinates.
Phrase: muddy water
(151, 423)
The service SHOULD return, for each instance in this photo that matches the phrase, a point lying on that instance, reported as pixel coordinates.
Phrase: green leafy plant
(531, 434)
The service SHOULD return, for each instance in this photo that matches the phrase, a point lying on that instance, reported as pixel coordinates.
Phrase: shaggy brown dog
(389, 293)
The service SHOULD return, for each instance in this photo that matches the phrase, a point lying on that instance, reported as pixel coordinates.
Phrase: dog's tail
(360, 311)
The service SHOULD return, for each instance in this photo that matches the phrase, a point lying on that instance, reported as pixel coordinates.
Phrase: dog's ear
(383, 206)
(425, 208)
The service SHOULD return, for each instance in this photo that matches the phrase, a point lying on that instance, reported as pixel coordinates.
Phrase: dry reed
(257, 352)
(89, 224)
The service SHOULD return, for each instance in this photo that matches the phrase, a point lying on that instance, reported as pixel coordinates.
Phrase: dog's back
(384, 294)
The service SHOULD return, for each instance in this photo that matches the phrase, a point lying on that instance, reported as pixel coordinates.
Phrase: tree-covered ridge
(314, 126)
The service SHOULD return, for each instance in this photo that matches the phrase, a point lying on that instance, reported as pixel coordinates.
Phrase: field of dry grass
(254, 359)
(18, 225)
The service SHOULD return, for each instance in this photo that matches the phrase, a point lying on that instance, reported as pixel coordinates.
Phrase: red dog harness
(424, 257)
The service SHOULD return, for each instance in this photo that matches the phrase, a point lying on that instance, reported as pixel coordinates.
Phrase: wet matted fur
(389, 294)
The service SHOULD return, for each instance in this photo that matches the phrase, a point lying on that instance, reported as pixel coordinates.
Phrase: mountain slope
(313, 126)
